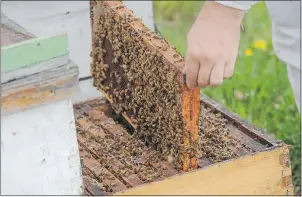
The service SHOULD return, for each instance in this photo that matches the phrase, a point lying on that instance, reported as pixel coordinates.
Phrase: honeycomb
(140, 74)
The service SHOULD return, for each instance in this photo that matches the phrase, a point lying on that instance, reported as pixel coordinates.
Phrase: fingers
(191, 70)
(229, 69)
(217, 73)
(204, 73)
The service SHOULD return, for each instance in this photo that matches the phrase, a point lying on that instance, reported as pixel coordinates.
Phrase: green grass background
(262, 78)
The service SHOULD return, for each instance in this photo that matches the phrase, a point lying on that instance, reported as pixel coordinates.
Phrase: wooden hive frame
(190, 98)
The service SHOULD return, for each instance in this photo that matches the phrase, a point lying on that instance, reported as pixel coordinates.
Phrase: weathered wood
(129, 120)
(45, 87)
(9, 36)
(14, 29)
(258, 174)
(46, 131)
(11, 32)
(92, 190)
(245, 128)
(33, 51)
(34, 71)
(39, 67)
(39, 151)
(266, 171)
(100, 137)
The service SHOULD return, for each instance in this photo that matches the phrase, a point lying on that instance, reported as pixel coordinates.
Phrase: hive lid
(11, 32)
(34, 70)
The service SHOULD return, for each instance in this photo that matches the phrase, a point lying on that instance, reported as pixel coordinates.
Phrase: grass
(259, 90)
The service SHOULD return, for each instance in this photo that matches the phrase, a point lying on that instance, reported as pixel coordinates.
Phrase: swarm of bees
(122, 156)
(215, 139)
(138, 80)
(142, 84)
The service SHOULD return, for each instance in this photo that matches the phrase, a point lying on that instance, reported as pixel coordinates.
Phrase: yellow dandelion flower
(260, 44)
(248, 52)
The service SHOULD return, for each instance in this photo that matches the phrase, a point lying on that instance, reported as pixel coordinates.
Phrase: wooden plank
(11, 32)
(129, 120)
(46, 134)
(245, 128)
(92, 136)
(259, 174)
(96, 168)
(271, 160)
(245, 139)
(9, 36)
(33, 51)
(91, 189)
(45, 87)
(39, 67)
(15, 27)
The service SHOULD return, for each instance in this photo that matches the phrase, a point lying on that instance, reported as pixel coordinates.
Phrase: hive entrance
(140, 74)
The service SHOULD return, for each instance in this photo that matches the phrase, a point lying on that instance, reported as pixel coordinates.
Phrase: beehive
(116, 163)
(140, 74)
(38, 134)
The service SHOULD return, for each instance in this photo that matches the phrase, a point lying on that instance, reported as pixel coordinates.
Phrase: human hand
(213, 42)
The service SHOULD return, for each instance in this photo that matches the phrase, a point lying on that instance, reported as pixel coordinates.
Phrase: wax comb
(140, 74)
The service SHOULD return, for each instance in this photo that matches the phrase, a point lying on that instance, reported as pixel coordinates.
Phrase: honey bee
(115, 60)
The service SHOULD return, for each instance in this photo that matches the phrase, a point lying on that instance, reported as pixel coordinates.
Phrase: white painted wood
(87, 92)
(33, 69)
(39, 148)
(39, 152)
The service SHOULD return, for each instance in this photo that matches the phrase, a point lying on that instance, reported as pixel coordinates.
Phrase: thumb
(184, 70)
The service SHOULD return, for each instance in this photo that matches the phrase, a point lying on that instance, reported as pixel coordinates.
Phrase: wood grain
(267, 172)
(34, 69)
(243, 126)
(33, 51)
(258, 174)
(11, 32)
(48, 86)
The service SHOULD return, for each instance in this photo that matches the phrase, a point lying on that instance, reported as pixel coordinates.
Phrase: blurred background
(259, 90)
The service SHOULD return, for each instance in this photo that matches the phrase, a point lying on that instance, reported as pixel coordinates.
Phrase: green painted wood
(32, 51)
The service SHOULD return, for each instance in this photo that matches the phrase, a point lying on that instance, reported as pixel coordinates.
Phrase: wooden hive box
(261, 165)
(38, 134)
(236, 158)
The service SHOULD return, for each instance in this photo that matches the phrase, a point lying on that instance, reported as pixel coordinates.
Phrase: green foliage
(259, 90)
